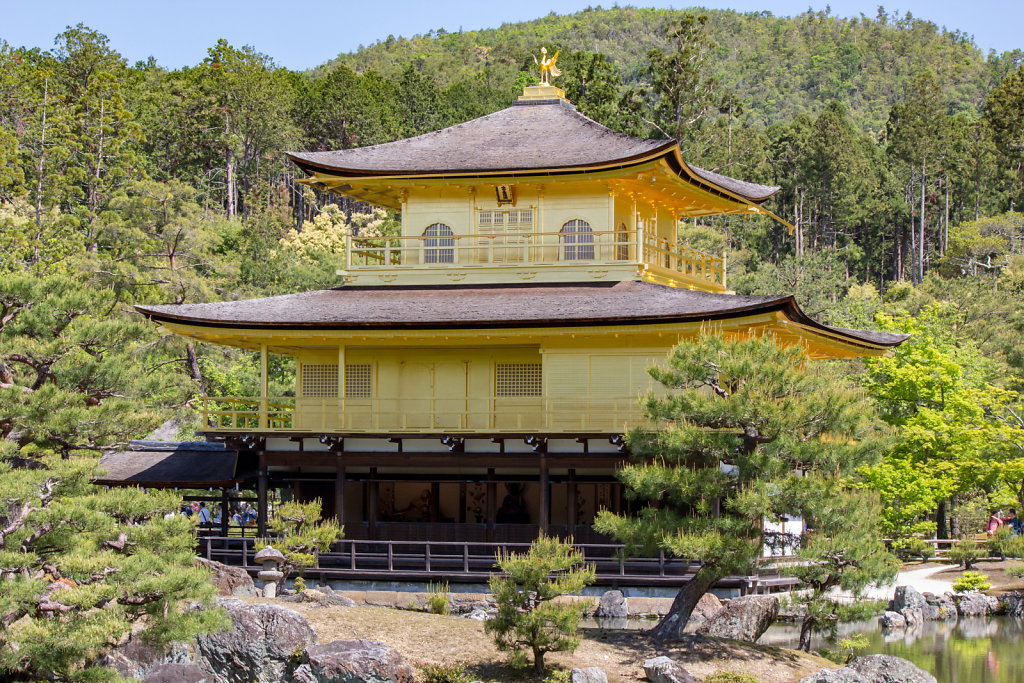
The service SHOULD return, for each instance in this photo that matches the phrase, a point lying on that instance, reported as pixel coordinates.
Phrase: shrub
(455, 672)
(1016, 570)
(1014, 547)
(971, 581)
(999, 542)
(965, 553)
(299, 584)
(560, 676)
(730, 677)
(528, 617)
(439, 599)
(907, 548)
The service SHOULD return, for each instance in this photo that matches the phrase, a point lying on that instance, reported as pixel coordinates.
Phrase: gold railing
(417, 415)
(537, 248)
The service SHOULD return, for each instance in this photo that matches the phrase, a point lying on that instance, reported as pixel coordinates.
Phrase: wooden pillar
(339, 494)
(435, 502)
(225, 514)
(372, 493)
(264, 360)
(462, 503)
(261, 500)
(543, 498)
(492, 504)
(340, 412)
(571, 503)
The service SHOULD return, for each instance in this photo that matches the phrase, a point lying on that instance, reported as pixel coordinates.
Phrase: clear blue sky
(302, 35)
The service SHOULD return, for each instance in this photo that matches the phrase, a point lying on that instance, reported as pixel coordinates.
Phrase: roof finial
(548, 70)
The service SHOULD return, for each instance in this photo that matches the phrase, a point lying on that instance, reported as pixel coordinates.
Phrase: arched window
(577, 241)
(438, 244)
(622, 246)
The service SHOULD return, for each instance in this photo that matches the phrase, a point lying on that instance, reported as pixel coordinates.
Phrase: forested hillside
(898, 146)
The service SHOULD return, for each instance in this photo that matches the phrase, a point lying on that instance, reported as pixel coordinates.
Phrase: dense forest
(898, 147)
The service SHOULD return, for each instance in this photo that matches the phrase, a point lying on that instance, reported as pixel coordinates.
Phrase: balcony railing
(418, 415)
(538, 248)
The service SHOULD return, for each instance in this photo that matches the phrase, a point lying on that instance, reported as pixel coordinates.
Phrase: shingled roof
(493, 306)
(543, 135)
(169, 465)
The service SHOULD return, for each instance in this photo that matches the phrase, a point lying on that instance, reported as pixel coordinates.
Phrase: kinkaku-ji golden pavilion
(470, 380)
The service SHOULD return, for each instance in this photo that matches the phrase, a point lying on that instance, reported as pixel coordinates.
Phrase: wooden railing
(412, 414)
(537, 248)
(473, 562)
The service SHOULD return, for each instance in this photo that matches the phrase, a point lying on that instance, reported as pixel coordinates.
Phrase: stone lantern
(269, 559)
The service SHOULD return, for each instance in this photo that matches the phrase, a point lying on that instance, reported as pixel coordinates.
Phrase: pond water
(968, 651)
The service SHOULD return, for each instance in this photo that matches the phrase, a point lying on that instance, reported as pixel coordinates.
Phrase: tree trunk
(193, 368)
(538, 662)
(806, 630)
(920, 245)
(940, 521)
(671, 625)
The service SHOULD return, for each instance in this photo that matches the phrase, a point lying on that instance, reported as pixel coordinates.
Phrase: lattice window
(508, 233)
(517, 379)
(438, 243)
(320, 380)
(358, 380)
(577, 241)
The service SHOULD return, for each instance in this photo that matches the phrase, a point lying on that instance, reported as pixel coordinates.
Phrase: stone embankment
(266, 644)
(910, 608)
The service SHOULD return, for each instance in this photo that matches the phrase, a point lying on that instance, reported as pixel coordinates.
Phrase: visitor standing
(994, 522)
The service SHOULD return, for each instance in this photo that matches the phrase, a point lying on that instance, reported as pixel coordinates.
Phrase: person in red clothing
(994, 522)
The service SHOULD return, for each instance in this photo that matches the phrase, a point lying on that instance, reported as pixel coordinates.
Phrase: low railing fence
(473, 562)
(515, 248)
(412, 414)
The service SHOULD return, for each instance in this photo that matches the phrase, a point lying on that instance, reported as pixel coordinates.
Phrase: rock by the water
(230, 581)
(914, 616)
(972, 604)
(892, 621)
(176, 673)
(1013, 604)
(136, 659)
(357, 661)
(591, 674)
(664, 670)
(944, 606)
(889, 669)
(479, 615)
(708, 606)
(261, 647)
(843, 675)
(321, 599)
(994, 606)
(907, 597)
(744, 618)
(613, 605)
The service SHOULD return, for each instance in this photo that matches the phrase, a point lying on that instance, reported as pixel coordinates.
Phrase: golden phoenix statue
(548, 70)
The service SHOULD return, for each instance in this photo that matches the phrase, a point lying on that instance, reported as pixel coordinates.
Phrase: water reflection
(968, 651)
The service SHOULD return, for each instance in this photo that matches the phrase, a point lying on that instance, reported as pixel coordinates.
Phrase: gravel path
(921, 579)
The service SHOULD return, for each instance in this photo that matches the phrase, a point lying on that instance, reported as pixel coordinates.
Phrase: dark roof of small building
(158, 464)
(544, 135)
(492, 306)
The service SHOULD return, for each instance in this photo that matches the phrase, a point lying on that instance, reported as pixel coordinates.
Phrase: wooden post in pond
(372, 493)
(544, 498)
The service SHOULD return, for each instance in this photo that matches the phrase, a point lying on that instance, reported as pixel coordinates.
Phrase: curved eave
(670, 152)
(785, 306)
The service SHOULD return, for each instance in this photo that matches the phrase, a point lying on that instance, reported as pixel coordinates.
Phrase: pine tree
(742, 421)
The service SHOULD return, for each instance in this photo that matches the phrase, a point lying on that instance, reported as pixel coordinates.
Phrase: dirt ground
(996, 572)
(431, 639)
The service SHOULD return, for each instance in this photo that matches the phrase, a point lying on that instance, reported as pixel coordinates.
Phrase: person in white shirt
(204, 515)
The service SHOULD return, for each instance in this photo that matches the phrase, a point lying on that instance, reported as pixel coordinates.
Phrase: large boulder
(591, 674)
(357, 661)
(1013, 604)
(843, 675)
(177, 673)
(261, 646)
(889, 669)
(319, 598)
(708, 606)
(907, 597)
(939, 606)
(972, 604)
(744, 618)
(613, 605)
(230, 581)
(892, 621)
(664, 670)
(136, 659)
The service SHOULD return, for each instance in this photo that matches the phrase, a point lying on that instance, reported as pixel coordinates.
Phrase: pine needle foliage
(301, 534)
(739, 422)
(82, 567)
(528, 616)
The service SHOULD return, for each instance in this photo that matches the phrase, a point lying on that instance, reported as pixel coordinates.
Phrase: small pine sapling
(301, 535)
(528, 617)
(971, 581)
